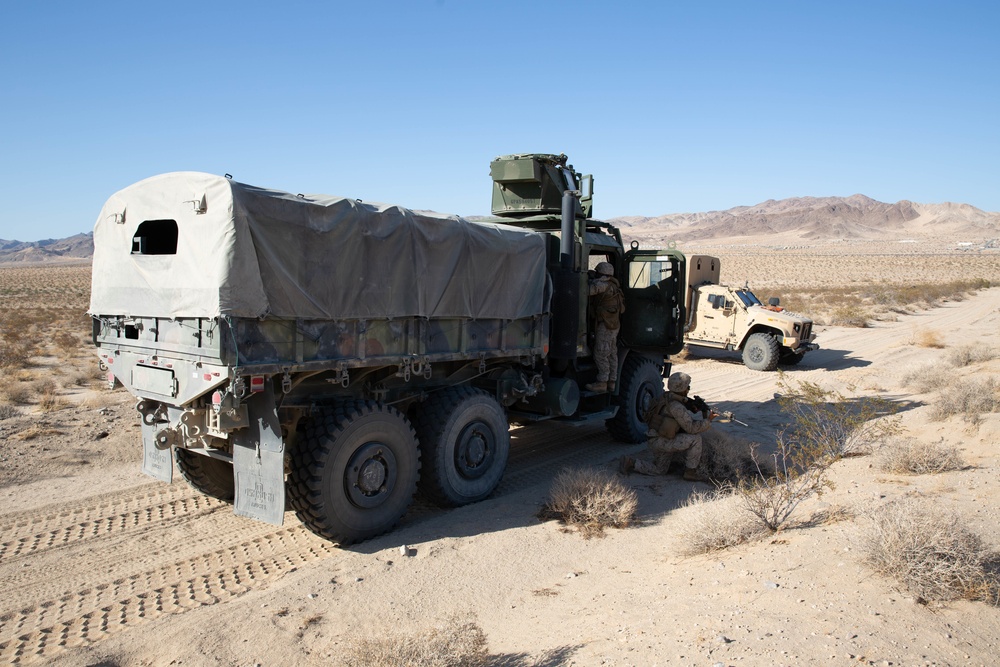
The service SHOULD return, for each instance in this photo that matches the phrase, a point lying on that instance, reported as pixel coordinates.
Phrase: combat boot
(597, 387)
(692, 475)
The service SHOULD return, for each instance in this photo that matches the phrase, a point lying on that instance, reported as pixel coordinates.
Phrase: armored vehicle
(336, 355)
(728, 318)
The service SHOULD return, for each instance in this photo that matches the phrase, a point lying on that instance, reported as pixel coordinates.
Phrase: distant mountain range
(74, 248)
(823, 218)
(804, 218)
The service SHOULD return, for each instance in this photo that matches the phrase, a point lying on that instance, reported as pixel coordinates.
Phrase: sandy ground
(101, 566)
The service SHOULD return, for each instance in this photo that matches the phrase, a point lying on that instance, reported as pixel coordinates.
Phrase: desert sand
(102, 566)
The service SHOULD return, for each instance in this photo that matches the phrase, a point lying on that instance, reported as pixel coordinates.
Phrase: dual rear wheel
(357, 470)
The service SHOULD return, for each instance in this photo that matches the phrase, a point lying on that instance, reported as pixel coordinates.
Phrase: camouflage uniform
(672, 430)
(688, 437)
(607, 303)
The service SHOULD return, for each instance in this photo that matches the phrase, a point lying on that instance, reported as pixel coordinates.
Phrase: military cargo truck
(336, 355)
(728, 318)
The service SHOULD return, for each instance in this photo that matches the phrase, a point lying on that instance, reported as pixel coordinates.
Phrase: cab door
(654, 300)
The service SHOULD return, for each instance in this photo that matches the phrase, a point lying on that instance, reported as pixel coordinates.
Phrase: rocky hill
(805, 218)
(818, 218)
(75, 248)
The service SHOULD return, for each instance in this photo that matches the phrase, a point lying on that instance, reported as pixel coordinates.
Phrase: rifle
(698, 404)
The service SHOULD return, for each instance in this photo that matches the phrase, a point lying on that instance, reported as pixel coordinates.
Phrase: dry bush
(856, 304)
(967, 397)
(458, 642)
(715, 520)
(966, 355)
(68, 344)
(850, 316)
(18, 394)
(50, 401)
(8, 412)
(925, 379)
(933, 554)
(590, 500)
(909, 456)
(826, 423)
(725, 458)
(928, 338)
(772, 497)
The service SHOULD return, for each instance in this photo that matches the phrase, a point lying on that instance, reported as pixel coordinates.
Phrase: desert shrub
(18, 394)
(66, 342)
(910, 456)
(925, 379)
(967, 397)
(798, 473)
(928, 338)
(590, 500)
(458, 642)
(826, 423)
(49, 401)
(932, 553)
(725, 458)
(850, 316)
(15, 350)
(8, 411)
(715, 520)
(966, 355)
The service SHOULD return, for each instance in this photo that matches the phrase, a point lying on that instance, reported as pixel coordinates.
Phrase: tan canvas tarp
(244, 251)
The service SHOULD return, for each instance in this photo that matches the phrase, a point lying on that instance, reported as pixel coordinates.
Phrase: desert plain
(102, 566)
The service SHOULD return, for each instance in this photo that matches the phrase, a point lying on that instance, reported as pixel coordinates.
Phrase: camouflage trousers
(606, 353)
(666, 448)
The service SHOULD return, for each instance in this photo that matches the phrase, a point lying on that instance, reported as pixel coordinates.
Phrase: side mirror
(774, 301)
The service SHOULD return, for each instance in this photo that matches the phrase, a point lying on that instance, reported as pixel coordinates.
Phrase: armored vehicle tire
(761, 352)
(639, 385)
(355, 473)
(464, 442)
(213, 477)
(789, 358)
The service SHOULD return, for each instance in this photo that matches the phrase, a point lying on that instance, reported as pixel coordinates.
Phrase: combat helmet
(605, 269)
(679, 383)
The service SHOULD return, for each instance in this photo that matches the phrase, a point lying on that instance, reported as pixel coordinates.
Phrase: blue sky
(673, 106)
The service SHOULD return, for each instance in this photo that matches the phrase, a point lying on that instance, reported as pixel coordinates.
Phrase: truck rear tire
(761, 352)
(464, 441)
(640, 385)
(356, 473)
(213, 477)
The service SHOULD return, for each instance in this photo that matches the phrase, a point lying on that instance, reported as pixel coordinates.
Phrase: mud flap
(259, 462)
(157, 463)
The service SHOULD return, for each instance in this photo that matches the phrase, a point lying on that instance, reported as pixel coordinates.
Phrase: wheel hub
(474, 450)
(370, 475)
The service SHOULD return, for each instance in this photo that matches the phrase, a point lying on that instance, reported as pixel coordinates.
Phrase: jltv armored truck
(338, 355)
(728, 318)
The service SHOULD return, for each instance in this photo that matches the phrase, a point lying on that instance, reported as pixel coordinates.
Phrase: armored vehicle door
(654, 300)
(716, 315)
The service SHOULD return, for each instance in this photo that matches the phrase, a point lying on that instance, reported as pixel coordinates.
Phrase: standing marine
(607, 303)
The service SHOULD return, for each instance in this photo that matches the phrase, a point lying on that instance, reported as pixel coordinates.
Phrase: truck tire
(464, 442)
(212, 477)
(639, 385)
(760, 352)
(355, 474)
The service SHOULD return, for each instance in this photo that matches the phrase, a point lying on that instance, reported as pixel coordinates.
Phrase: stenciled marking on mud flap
(260, 484)
(157, 463)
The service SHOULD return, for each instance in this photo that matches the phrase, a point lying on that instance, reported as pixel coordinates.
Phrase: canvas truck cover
(189, 244)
